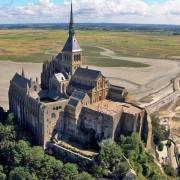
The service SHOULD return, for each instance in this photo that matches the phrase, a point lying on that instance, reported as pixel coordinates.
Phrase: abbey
(73, 103)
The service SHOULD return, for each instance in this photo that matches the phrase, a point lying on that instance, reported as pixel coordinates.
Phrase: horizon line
(41, 23)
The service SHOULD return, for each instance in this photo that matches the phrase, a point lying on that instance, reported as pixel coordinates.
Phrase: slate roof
(53, 95)
(87, 73)
(73, 102)
(81, 86)
(78, 94)
(71, 45)
(20, 81)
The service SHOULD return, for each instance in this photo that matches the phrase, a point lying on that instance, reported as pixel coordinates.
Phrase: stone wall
(69, 156)
(95, 124)
(53, 118)
(26, 110)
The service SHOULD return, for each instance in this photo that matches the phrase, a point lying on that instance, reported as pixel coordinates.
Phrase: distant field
(39, 45)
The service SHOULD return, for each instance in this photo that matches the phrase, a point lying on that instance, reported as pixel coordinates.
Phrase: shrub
(169, 170)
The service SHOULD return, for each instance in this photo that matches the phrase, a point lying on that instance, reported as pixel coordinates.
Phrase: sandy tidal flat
(8, 70)
(140, 82)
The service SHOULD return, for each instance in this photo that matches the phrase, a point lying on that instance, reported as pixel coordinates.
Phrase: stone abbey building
(73, 103)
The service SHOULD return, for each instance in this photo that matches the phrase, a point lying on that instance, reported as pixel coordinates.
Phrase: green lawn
(31, 45)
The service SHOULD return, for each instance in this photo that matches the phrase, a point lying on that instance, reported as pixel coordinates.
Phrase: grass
(29, 45)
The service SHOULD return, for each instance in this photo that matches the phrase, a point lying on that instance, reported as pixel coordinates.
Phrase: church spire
(23, 74)
(71, 24)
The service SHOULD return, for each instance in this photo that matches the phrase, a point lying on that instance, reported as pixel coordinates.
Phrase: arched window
(79, 57)
(35, 88)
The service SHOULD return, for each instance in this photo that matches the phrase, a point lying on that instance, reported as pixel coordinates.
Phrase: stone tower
(71, 53)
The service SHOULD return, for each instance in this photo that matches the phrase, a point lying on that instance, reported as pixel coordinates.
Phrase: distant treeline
(99, 26)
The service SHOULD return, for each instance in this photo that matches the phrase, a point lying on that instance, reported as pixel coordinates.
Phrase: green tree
(157, 176)
(21, 173)
(146, 170)
(169, 170)
(49, 168)
(159, 133)
(10, 119)
(121, 170)
(85, 176)
(69, 171)
(7, 133)
(110, 154)
(34, 156)
(21, 152)
(2, 175)
(97, 171)
(140, 160)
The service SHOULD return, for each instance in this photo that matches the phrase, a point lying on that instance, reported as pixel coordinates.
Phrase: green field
(39, 45)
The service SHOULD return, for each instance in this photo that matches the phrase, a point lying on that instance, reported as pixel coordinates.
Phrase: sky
(92, 11)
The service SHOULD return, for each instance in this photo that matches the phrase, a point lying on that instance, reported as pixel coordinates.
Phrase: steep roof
(87, 73)
(21, 81)
(71, 45)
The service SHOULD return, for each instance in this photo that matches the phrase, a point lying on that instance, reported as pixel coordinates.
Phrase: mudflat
(139, 81)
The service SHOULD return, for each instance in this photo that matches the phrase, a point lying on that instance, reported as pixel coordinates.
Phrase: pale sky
(107, 11)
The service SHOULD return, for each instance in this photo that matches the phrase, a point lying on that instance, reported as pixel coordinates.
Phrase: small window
(53, 115)
(35, 88)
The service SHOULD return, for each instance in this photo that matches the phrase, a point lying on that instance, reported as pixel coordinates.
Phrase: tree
(169, 170)
(159, 133)
(2, 175)
(35, 155)
(69, 171)
(21, 152)
(49, 168)
(146, 170)
(156, 176)
(21, 173)
(121, 170)
(110, 154)
(85, 176)
(97, 171)
(10, 119)
(7, 133)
